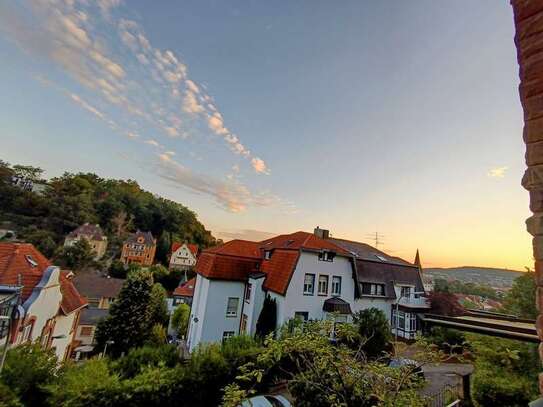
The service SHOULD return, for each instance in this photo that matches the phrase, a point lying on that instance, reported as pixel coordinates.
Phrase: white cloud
(77, 99)
(498, 172)
(152, 142)
(259, 165)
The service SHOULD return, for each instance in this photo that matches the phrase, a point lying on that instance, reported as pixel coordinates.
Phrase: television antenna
(377, 238)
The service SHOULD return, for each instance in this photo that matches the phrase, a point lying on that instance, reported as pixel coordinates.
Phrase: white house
(50, 303)
(183, 256)
(311, 276)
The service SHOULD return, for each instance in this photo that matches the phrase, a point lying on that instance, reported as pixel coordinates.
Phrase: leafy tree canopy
(520, 301)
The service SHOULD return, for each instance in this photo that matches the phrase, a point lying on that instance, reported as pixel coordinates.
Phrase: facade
(183, 256)
(92, 234)
(311, 276)
(100, 291)
(181, 295)
(139, 248)
(50, 305)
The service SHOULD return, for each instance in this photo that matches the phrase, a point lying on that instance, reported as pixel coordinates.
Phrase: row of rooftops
(276, 259)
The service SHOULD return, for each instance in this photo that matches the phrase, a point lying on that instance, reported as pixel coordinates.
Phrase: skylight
(31, 260)
(380, 257)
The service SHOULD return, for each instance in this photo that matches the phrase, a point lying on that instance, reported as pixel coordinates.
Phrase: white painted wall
(383, 304)
(182, 257)
(296, 301)
(63, 326)
(253, 308)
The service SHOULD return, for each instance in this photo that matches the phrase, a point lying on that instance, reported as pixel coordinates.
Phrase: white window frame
(336, 286)
(248, 293)
(323, 278)
(229, 312)
(227, 335)
(307, 291)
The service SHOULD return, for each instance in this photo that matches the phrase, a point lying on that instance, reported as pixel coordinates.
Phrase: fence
(449, 395)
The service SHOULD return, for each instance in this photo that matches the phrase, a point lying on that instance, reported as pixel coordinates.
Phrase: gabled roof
(93, 232)
(192, 247)
(279, 269)
(238, 248)
(302, 240)
(95, 285)
(91, 316)
(217, 266)
(365, 251)
(71, 298)
(148, 238)
(186, 289)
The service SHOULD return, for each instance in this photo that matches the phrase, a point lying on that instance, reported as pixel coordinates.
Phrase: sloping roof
(365, 251)
(148, 238)
(21, 263)
(94, 285)
(71, 298)
(91, 316)
(389, 273)
(226, 267)
(93, 232)
(192, 247)
(302, 240)
(239, 248)
(186, 289)
(279, 269)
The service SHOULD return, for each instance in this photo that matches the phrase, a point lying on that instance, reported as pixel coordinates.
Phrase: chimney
(322, 233)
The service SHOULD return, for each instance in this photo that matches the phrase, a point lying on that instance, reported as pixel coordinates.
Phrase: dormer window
(31, 261)
(267, 254)
(326, 256)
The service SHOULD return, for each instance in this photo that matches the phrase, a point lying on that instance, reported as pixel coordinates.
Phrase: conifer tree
(267, 320)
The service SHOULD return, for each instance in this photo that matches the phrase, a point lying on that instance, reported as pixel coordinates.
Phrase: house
(183, 256)
(184, 293)
(100, 292)
(93, 235)
(139, 248)
(50, 305)
(311, 276)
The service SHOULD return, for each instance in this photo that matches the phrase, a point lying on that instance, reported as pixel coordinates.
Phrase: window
(267, 254)
(248, 290)
(232, 307)
(309, 284)
(405, 292)
(86, 331)
(398, 320)
(412, 322)
(323, 285)
(327, 256)
(227, 334)
(373, 289)
(243, 326)
(93, 302)
(31, 260)
(336, 285)
(304, 316)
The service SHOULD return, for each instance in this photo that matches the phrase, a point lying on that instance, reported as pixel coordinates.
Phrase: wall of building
(182, 257)
(253, 308)
(64, 325)
(383, 304)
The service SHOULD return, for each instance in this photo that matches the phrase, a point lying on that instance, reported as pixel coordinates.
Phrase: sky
(401, 118)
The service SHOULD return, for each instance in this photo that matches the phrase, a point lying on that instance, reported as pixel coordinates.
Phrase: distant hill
(493, 277)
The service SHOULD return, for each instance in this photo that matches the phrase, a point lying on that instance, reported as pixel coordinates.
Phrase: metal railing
(415, 301)
(448, 395)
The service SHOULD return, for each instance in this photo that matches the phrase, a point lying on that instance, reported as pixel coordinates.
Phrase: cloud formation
(498, 172)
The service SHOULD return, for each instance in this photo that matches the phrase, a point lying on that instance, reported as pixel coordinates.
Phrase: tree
(117, 269)
(445, 303)
(374, 330)
(157, 308)
(520, 300)
(180, 319)
(129, 321)
(267, 320)
(79, 256)
(163, 248)
(28, 172)
(27, 368)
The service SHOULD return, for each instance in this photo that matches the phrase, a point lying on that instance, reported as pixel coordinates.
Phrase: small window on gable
(232, 307)
(31, 260)
(267, 254)
(326, 256)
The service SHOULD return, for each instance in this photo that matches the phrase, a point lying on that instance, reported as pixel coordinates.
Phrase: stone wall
(528, 17)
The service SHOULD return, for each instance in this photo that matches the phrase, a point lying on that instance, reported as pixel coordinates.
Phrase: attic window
(31, 260)
(289, 242)
(267, 254)
(326, 256)
(380, 257)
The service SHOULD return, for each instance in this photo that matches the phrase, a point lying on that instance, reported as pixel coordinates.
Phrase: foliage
(458, 287)
(448, 340)
(157, 308)
(8, 397)
(148, 356)
(79, 256)
(27, 368)
(118, 206)
(158, 335)
(117, 269)
(43, 240)
(374, 330)
(491, 388)
(172, 278)
(323, 374)
(131, 316)
(180, 319)
(445, 303)
(520, 300)
(267, 320)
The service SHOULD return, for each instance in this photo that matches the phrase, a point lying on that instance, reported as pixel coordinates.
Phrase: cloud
(77, 99)
(152, 142)
(259, 165)
(246, 234)
(498, 172)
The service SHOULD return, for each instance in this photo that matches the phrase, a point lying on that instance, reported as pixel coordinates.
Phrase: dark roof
(91, 316)
(336, 304)
(148, 238)
(94, 285)
(93, 232)
(71, 298)
(365, 251)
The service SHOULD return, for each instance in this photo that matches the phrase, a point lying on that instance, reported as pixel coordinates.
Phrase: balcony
(415, 302)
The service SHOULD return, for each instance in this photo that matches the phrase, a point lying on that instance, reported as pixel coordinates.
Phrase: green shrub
(448, 340)
(500, 388)
(8, 398)
(148, 356)
(374, 329)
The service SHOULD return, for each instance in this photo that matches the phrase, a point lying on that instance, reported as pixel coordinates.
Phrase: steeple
(417, 260)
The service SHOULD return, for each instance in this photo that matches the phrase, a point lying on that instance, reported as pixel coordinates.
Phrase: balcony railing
(421, 302)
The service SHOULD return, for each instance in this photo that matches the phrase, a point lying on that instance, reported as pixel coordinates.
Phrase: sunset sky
(271, 117)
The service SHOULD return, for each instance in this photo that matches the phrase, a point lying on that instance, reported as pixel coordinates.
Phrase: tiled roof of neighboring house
(302, 240)
(88, 230)
(226, 267)
(94, 285)
(148, 238)
(237, 247)
(192, 247)
(71, 298)
(21, 263)
(91, 316)
(186, 289)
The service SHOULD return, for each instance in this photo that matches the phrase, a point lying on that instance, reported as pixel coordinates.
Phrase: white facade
(182, 258)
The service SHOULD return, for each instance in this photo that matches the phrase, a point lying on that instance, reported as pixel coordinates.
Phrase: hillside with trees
(45, 217)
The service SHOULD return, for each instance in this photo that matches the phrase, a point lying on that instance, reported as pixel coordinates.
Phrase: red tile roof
(186, 289)
(192, 247)
(236, 259)
(71, 299)
(22, 263)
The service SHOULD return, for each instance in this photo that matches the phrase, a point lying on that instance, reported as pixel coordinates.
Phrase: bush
(8, 397)
(26, 370)
(499, 388)
(148, 356)
(180, 319)
(374, 329)
(448, 340)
